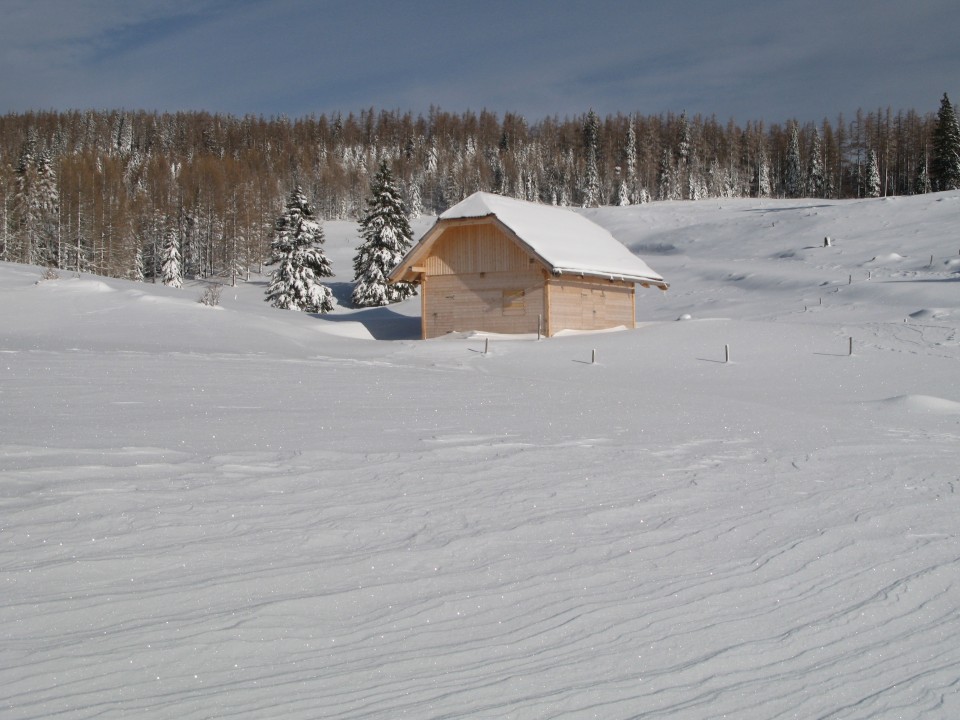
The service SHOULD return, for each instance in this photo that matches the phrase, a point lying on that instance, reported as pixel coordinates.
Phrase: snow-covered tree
(816, 180)
(591, 143)
(667, 183)
(872, 187)
(630, 163)
(386, 236)
(623, 194)
(36, 206)
(171, 269)
(762, 183)
(138, 274)
(416, 201)
(921, 181)
(793, 176)
(295, 284)
(945, 162)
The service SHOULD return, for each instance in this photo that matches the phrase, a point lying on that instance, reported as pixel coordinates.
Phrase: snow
(245, 512)
(568, 242)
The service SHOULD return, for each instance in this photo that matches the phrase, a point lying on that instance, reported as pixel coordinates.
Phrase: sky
(770, 60)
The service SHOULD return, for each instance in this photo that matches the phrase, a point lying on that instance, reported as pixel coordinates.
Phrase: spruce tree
(36, 206)
(816, 181)
(630, 152)
(591, 142)
(793, 177)
(945, 163)
(872, 188)
(295, 284)
(762, 186)
(921, 181)
(171, 268)
(386, 236)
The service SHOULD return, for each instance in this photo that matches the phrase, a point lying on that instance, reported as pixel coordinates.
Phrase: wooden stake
(851, 346)
(486, 346)
(593, 357)
(726, 353)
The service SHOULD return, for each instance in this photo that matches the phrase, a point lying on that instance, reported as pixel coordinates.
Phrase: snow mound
(571, 333)
(886, 259)
(76, 285)
(930, 313)
(354, 330)
(924, 404)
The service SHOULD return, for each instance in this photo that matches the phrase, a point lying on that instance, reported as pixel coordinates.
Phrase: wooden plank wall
(590, 305)
(476, 248)
(501, 302)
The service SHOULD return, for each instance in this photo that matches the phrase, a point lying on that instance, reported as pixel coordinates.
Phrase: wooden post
(593, 357)
(850, 351)
(486, 345)
(423, 307)
(539, 325)
(850, 280)
(726, 353)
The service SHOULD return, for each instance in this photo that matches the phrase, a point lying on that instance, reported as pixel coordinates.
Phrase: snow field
(244, 512)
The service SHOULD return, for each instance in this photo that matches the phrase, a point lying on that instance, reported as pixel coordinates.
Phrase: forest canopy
(104, 191)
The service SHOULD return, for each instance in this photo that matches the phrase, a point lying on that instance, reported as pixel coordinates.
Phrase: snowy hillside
(250, 513)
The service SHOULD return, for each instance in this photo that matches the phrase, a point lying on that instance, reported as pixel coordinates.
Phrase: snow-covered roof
(565, 241)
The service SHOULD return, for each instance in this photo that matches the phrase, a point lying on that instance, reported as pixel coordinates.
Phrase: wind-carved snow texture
(249, 513)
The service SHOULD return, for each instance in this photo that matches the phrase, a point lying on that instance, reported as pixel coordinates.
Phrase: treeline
(105, 191)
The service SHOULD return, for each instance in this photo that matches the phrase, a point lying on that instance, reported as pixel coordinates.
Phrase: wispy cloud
(750, 60)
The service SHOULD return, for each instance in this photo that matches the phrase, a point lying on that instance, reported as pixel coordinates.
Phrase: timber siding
(500, 302)
(589, 305)
(477, 248)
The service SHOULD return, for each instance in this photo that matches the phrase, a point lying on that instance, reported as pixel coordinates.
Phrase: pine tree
(816, 181)
(36, 207)
(386, 238)
(921, 182)
(763, 187)
(793, 177)
(138, 274)
(295, 284)
(630, 152)
(945, 163)
(591, 139)
(872, 187)
(171, 267)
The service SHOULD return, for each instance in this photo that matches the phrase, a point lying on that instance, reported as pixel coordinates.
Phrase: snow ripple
(441, 584)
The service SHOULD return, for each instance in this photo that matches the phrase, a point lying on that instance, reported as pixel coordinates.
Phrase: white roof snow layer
(567, 241)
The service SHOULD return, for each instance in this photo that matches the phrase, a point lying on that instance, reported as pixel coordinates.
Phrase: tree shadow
(342, 293)
(383, 323)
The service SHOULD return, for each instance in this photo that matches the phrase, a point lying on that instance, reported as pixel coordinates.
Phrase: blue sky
(770, 60)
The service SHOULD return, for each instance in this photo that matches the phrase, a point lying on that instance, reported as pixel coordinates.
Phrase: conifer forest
(107, 191)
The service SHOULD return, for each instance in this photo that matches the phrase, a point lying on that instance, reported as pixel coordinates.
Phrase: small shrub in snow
(50, 274)
(211, 296)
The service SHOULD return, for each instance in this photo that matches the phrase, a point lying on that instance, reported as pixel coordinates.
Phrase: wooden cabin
(500, 265)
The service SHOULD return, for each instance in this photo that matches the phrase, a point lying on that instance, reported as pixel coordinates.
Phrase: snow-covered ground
(240, 512)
